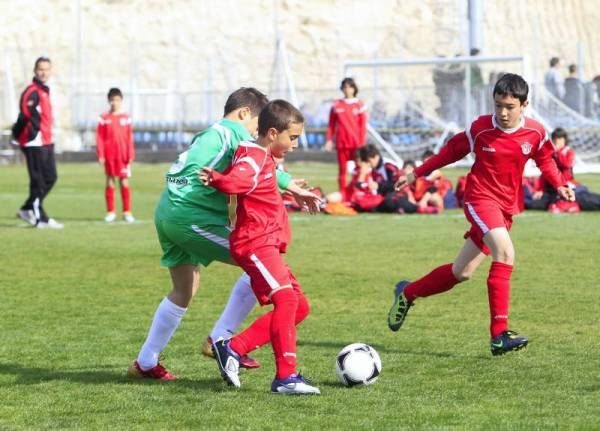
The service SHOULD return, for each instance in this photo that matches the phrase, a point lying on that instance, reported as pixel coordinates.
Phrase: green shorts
(192, 244)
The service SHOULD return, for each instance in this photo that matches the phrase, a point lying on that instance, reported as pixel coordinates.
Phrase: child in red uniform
(502, 144)
(348, 123)
(114, 148)
(260, 237)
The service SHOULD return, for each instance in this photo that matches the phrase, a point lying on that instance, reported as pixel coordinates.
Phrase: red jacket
(348, 122)
(114, 138)
(261, 217)
(34, 124)
(500, 157)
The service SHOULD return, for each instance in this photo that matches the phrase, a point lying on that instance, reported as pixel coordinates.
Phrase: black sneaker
(228, 362)
(400, 307)
(506, 342)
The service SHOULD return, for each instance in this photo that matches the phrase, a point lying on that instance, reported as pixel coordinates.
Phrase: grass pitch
(75, 306)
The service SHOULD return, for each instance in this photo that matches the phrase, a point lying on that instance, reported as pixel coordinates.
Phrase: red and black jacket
(34, 124)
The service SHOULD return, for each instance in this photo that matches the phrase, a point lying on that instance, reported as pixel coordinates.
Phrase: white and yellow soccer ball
(358, 364)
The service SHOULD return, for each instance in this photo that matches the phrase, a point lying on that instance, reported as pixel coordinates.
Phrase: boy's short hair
(554, 61)
(513, 85)
(278, 114)
(368, 152)
(246, 97)
(408, 163)
(427, 153)
(572, 68)
(114, 92)
(351, 83)
(558, 133)
(39, 60)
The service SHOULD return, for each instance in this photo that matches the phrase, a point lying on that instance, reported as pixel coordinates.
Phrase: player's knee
(505, 255)
(303, 308)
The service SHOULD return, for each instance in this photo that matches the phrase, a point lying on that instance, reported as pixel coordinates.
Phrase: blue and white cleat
(296, 384)
(400, 307)
(228, 362)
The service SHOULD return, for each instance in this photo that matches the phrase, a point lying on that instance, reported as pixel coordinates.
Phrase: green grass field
(75, 306)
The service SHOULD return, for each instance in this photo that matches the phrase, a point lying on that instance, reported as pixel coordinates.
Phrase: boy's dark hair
(41, 60)
(278, 114)
(367, 152)
(114, 92)
(558, 133)
(408, 163)
(513, 85)
(351, 83)
(427, 153)
(554, 61)
(246, 97)
(572, 68)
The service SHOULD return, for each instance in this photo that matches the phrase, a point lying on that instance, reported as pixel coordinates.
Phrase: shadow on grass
(338, 345)
(33, 376)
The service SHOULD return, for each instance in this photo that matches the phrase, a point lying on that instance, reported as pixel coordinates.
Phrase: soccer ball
(358, 364)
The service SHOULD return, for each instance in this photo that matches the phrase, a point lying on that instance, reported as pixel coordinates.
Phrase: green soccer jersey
(185, 197)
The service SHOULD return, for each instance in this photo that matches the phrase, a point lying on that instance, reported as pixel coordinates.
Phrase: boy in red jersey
(260, 236)
(114, 149)
(348, 123)
(502, 143)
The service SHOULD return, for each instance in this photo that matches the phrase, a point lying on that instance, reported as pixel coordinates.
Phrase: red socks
(439, 280)
(126, 198)
(499, 296)
(109, 196)
(278, 326)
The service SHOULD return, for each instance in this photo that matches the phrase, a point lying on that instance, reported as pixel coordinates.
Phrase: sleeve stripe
(470, 138)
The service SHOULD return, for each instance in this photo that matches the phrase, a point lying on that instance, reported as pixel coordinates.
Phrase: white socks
(241, 301)
(165, 322)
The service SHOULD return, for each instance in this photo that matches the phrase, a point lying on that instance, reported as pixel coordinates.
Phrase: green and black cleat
(507, 342)
(400, 307)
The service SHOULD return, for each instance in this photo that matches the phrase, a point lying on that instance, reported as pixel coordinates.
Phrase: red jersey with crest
(261, 216)
(348, 122)
(114, 138)
(500, 157)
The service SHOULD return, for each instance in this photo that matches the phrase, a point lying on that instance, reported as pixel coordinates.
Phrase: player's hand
(328, 145)
(308, 201)
(566, 193)
(205, 175)
(537, 195)
(373, 186)
(300, 182)
(404, 180)
(101, 161)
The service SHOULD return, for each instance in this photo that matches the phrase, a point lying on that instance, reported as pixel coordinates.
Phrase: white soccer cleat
(128, 217)
(296, 384)
(28, 216)
(50, 224)
(110, 217)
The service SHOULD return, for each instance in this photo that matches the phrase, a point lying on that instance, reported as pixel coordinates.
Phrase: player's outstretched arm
(240, 179)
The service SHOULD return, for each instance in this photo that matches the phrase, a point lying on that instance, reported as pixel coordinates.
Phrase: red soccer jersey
(348, 122)
(500, 157)
(261, 217)
(114, 138)
(565, 160)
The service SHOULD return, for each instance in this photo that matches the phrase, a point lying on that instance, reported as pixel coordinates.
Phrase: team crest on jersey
(526, 147)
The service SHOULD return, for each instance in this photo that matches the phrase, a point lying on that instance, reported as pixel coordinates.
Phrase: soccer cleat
(296, 384)
(506, 342)
(245, 360)
(110, 217)
(50, 224)
(228, 362)
(400, 307)
(128, 217)
(28, 216)
(158, 372)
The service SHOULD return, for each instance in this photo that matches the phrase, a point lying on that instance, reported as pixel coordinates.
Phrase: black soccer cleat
(400, 307)
(507, 342)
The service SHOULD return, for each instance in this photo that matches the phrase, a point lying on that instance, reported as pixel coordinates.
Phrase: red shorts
(268, 272)
(116, 168)
(485, 216)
